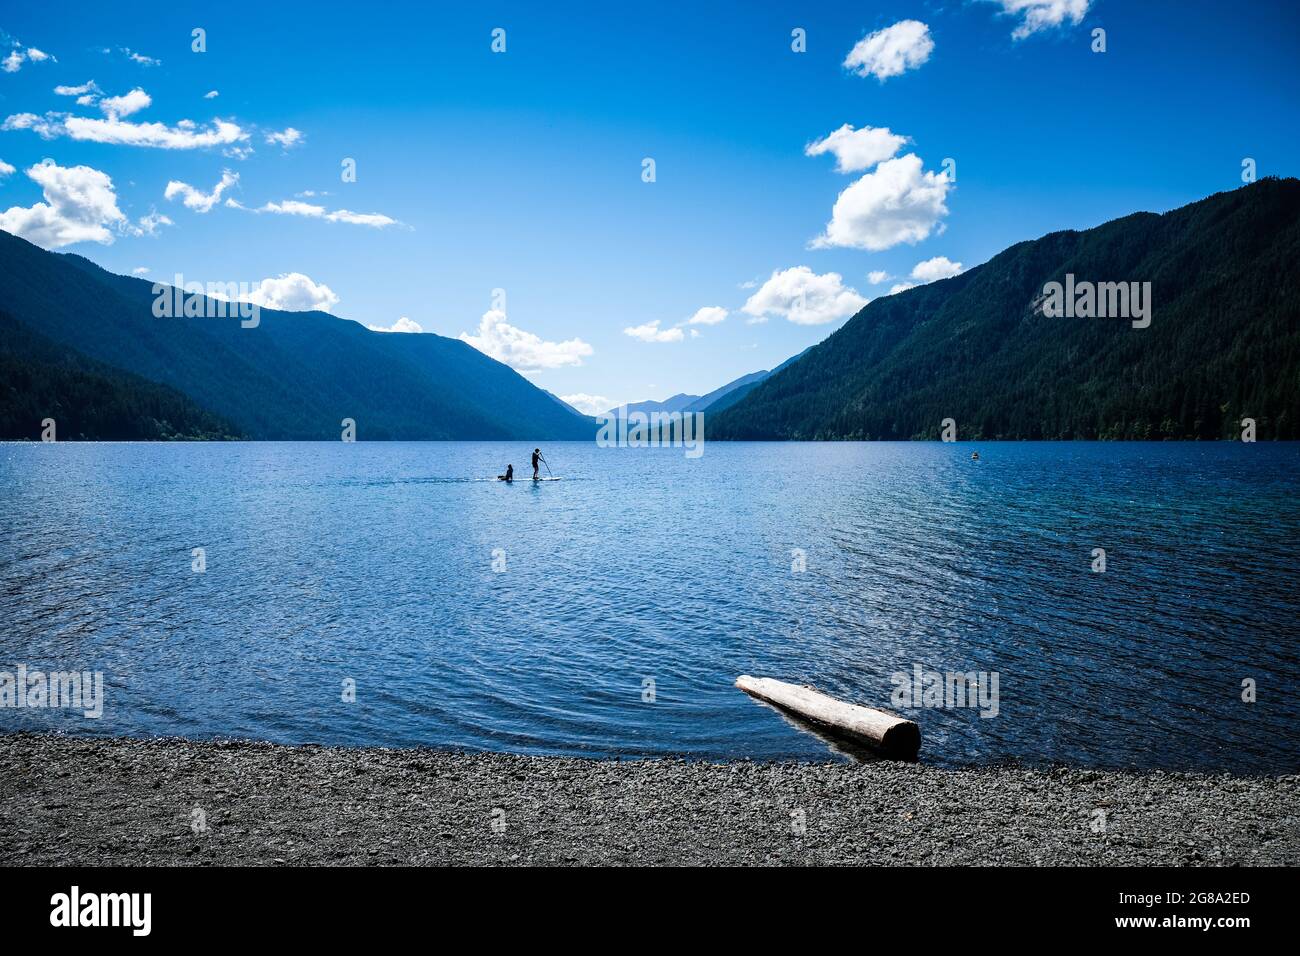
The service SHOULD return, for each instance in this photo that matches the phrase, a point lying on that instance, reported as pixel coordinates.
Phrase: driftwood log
(890, 735)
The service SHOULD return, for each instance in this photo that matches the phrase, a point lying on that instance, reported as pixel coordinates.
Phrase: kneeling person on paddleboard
(509, 475)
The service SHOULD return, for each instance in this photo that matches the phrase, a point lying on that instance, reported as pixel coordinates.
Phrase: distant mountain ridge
(1223, 344)
(297, 375)
(675, 403)
(715, 400)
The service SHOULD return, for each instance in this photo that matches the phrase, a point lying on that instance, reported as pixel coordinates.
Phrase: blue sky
(523, 170)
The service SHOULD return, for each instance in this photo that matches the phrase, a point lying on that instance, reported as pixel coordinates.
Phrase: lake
(609, 613)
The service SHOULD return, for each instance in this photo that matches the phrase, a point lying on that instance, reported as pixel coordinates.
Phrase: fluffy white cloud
(120, 132)
(126, 104)
(403, 324)
(709, 315)
(292, 207)
(89, 89)
(80, 204)
(589, 404)
(196, 199)
(940, 267)
(5, 169)
(1036, 15)
(211, 95)
(523, 351)
(859, 149)
(650, 332)
(804, 297)
(878, 276)
(901, 287)
(287, 138)
(293, 292)
(897, 202)
(17, 57)
(141, 271)
(891, 51)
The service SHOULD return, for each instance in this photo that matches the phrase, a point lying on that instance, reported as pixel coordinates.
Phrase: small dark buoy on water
(975, 456)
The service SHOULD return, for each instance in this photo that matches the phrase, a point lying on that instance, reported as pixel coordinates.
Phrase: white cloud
(5, 169)
(149, 224)
(126, 104)
(901, 287)
(292, 207)
(523, 351)
(403, 324)
(709, 315)
(135, 57)
(650, 332)
(211, 95)
(196, 199)
(141, 271)
(855, 150)
(891, 51)
(117, 131)
(940, 267)
(87, 89)
(293, 292)
(17, 57)
(804, 297)
(877, 277)
(1037, 15)
(80, 204)
(897, 202)
(289, 137)
(589, 404)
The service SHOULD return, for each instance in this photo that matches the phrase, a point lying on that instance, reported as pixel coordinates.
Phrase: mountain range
(82, 346)
(1223, 343)
(296, 375)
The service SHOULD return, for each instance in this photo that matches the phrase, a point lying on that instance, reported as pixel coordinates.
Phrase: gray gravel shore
(82, 801)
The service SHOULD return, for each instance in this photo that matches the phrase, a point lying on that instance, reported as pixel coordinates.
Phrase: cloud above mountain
(940, 267)
(80, 206)
(523, 351)
(898, 202)
(293, 292)
(804, 298)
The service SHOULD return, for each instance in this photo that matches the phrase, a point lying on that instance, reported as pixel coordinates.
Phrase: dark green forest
(296, 375)
(89, 400)
(1223, 344)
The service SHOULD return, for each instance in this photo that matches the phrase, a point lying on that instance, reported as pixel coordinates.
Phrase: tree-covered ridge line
(1223, 344)
(88, 400)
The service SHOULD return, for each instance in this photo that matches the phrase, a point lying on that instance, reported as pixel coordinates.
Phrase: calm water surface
(374, 562)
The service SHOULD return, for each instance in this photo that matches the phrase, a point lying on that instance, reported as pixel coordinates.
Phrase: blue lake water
(373, 562)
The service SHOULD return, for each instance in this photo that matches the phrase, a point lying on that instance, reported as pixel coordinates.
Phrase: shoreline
(67, 801)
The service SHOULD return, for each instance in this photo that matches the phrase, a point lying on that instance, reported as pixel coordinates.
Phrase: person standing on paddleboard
(537, 456)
